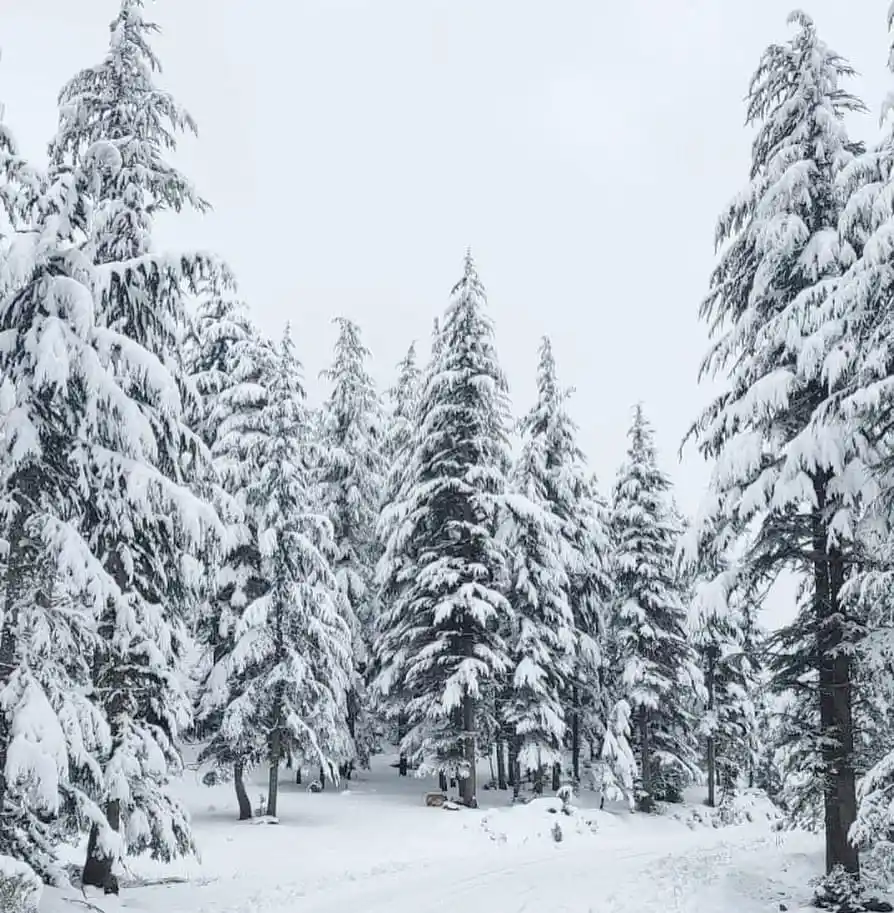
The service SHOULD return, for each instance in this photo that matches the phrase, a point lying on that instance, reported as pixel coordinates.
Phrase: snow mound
(540, 820)
(749, 807)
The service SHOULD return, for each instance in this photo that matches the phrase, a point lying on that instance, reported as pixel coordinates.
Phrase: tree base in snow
(841, 892)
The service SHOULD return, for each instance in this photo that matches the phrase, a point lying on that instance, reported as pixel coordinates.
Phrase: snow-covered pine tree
(541, 634)
(572, 496)
(785, 482)
(723, 636)
(230, 363)
(443, 569)
(397, 451)
(353, 473)
(660, 673)
(292, 652)
(56, 399)
(146, 520)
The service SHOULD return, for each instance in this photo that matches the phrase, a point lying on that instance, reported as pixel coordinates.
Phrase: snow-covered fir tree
(353, 473)
(397, 452)
(444, 572)
(660, 674)
(572, 496)
(723, 636)
(291, 657)
(146, 522)
(230, 363)
(57, 398)
(787, 480)
(540, 632)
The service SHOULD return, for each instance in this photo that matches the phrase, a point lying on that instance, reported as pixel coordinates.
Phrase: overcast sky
(352, 149)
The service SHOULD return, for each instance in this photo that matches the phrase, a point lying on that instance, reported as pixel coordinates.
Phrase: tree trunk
(298, 774)
(645, 760)
(97, 871)
(401, 735)
(515, 766)
(712, 762)
(468, 787)
(836, 710)
(322, 778)
(575, 734)
(557, 777)
(501, 764)
(273, 777)
(241, 794)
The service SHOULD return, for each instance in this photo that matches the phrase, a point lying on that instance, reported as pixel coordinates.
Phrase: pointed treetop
(470, 283)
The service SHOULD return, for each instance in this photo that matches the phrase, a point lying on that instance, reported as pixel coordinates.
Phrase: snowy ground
(377, 849)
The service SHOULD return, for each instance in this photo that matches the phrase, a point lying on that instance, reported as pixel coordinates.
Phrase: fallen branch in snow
(84, 903)
(137, 882)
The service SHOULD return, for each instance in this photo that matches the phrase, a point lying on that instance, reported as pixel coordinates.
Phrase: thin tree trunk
(241, 793)
(712, 761)
(401, 735)
(645, 760)
(322, 778)
(501, 764)
(575, 734)
(468, 786)
(273, 776)
(557, 777)
(515, 766)
(298, 774)
(836, 711)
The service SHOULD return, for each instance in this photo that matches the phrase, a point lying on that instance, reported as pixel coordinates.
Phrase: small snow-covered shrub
(20, 888)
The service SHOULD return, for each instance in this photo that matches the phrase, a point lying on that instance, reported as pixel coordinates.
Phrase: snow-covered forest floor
(375, 847)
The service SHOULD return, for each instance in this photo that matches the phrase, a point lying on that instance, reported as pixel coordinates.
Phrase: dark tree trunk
(97, 871)
(835, 696)
(557, 777)
(646, 800)
(468, 787)
(712, 763)
(501, 764)
(273, 777)
(402, 764)
(241, 794)
(298, 774)
(575, 734)
(322, 777)
(442, 781)
(515, 765)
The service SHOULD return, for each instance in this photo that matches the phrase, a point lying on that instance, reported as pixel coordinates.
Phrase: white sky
(352, 149)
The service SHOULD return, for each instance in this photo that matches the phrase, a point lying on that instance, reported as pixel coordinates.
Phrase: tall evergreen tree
(784, 473)
(443, 568)
(541, 634)
(230, 365)
(291, 655)
(57, 399)
(659, 672)
(145, 518)
(397, 452)
(353, 474)
(723, 637)
(572, 497)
